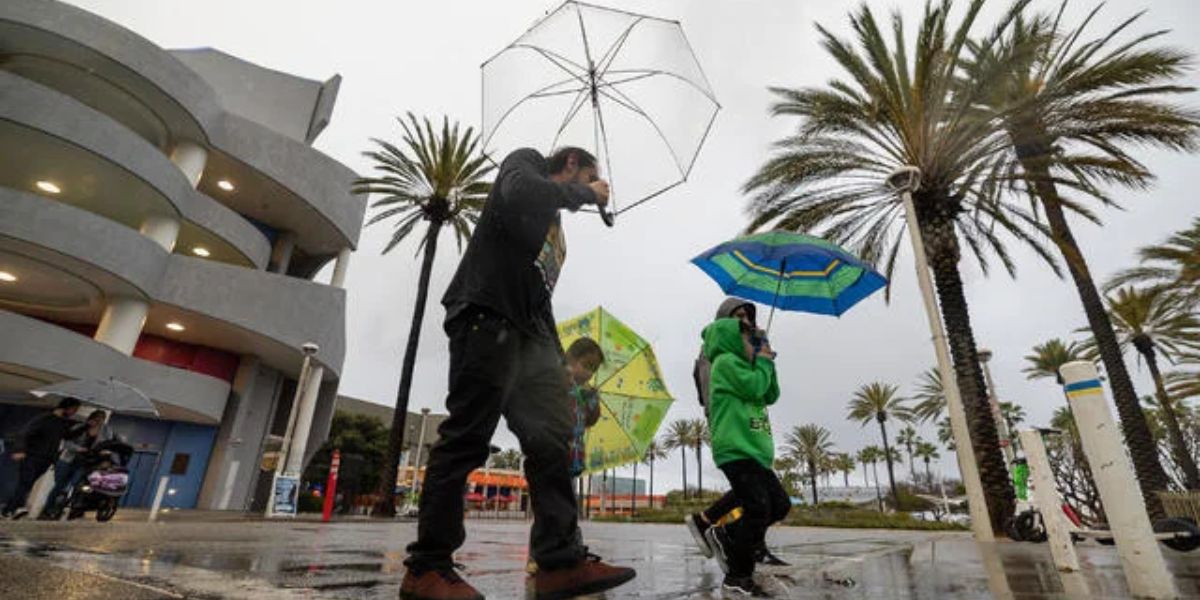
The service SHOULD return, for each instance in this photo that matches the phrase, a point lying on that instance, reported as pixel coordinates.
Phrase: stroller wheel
(106, 511)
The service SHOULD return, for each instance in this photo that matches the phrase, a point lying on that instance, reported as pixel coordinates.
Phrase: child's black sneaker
(743, 587)
(698, 527)
(719, 540)
(767, 559)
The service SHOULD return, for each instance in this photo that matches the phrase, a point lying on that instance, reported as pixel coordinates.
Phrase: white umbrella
(117, 396)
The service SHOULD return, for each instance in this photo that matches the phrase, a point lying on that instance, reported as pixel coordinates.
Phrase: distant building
(163, 215)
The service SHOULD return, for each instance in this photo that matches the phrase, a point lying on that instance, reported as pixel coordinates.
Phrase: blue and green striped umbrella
(792, 272)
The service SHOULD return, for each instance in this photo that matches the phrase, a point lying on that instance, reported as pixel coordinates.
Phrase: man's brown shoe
(590, 576)
(437, 585)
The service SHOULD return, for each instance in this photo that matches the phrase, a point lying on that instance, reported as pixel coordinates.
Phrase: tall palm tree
(846, 464)
(654, 452)
(827, 178)
(927, 452)
(1013, 415)
(945, 434)
(1072, 107)
(908, 438)
(1155, 322)
(880, 402)
(1174, 264)
(679, 437)
(436, 178)
(872, 455)
(930, 398)
(700, 439)
(810, 444)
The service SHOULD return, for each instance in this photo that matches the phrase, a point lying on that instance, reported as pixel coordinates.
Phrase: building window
(179, 464)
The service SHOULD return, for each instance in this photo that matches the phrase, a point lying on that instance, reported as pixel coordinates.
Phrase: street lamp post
(1007, 439)
(904, 182)
(295, 416)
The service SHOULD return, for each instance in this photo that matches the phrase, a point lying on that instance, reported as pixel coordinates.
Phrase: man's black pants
(29, 470)
(497, 370)
(764, 502)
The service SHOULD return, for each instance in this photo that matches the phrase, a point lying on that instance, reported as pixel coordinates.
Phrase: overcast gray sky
(424, 57)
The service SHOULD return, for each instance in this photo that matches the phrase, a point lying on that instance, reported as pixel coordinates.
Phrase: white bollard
(158, 496)
(1141, 559)
(1045, 494)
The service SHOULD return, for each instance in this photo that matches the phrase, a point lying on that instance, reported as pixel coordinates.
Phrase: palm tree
(654, 452)
(1173, 264)
(679, 437)
(930, 398)
(872, 455)
(945, 434)
(508, 459)
(1049, 357)
(786, 467)
(810, 444)
(1072, 107)
(927, 452)
(1155, 322)
(433, 178)
(846, 464)
(880, 402)
(863, 456)
(826, 178)
(1013, 415)
(700, 439)
(908, 438)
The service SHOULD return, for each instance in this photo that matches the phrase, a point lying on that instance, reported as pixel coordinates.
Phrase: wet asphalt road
(363, 560)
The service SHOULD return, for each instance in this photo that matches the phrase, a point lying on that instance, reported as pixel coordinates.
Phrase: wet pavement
(363, 560)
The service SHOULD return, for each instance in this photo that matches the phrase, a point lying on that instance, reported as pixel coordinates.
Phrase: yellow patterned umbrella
(633, 397)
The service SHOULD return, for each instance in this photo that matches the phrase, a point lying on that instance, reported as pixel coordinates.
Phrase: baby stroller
(106, 481)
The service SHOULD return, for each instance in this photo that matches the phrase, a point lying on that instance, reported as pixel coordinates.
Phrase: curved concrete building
(162, 216)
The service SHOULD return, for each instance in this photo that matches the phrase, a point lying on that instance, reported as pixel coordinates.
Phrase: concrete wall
(63, 354)
(43, 109)
(285, 103)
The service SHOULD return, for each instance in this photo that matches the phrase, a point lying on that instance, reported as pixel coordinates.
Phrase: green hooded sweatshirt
(740, 394)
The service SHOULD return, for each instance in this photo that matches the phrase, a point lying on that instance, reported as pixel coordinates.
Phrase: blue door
(185, 459)
(141, 479)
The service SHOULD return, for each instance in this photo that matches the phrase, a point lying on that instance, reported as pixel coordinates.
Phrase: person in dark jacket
(506, 359)
(34, 449)
(699, 523)
(71, 465)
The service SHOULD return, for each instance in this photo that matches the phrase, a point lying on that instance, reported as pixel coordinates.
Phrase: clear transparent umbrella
(624, 85)
(114, 395)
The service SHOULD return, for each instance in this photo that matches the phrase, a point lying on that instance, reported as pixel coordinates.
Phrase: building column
(163, 230)
(237, 452)
(340, 267)
(191, 159)
(122, 322)
(281, 252)
(304, 420)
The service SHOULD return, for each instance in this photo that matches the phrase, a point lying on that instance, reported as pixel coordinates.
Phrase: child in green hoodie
(743, 384)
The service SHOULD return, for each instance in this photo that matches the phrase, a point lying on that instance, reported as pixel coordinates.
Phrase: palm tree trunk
(1151, 476)
(1182, 456)
(846, 478)
(878, 497)
(928, 473)
(812, 469)
(652, 482)
(633, 496)
(887, 456)
(943, 260)
(683, 462)
(391, 462)
(699, 471)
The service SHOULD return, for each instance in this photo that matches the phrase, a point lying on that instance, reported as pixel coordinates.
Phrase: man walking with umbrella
(506, 359)
(34, 449)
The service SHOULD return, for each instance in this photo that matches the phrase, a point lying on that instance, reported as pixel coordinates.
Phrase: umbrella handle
(606, 216)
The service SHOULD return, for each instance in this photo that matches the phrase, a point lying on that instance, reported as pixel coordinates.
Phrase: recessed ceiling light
(175, 327)
(48, 186)
(201, 251)
(7, 277)
(225, 184)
